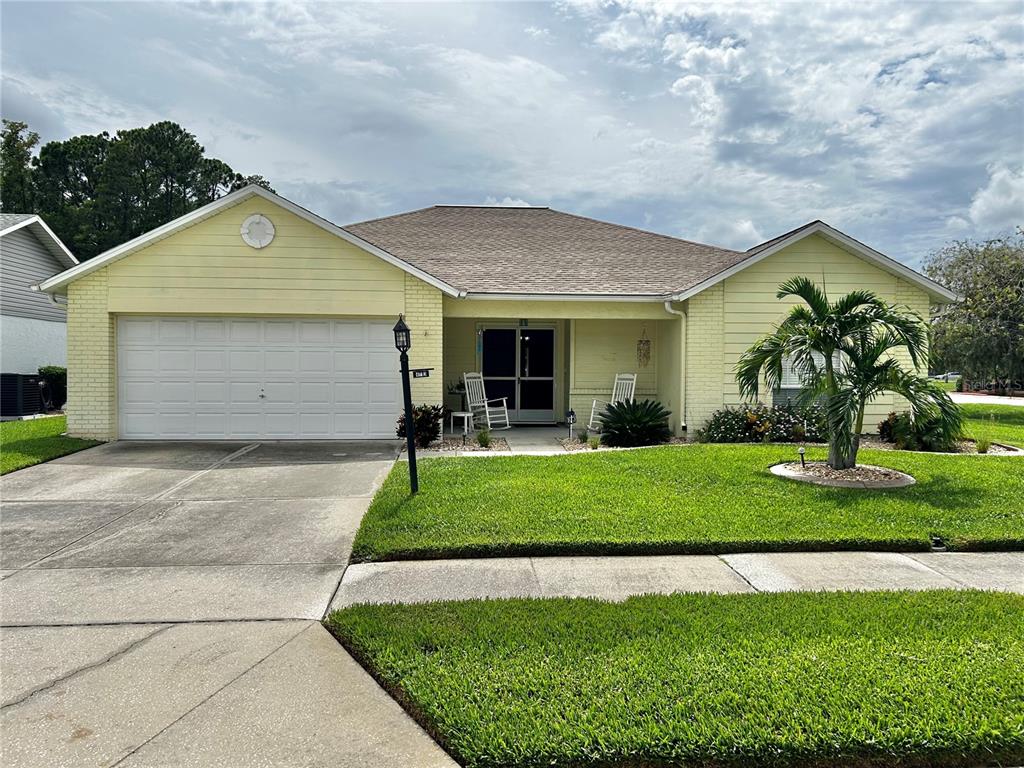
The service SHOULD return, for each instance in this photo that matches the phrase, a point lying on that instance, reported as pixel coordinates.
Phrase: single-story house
(32, 325)
(252, 317)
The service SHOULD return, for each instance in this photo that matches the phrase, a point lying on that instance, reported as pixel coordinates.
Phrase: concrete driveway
(160, 605)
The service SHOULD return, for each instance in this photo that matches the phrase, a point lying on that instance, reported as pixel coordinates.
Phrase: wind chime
(643, 349)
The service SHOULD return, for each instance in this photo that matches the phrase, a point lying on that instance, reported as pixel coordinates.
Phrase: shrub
(427, 421)
(594, 443)
(56, 378)
(983, 444)
(781, 423)
(483, 438)
(632, 423)
(917, 435)
(959, 383)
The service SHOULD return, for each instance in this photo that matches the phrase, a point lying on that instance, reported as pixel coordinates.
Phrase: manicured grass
(948, 386)
(686, 499)
(803, 679)
(24, 443)
(1000, 423)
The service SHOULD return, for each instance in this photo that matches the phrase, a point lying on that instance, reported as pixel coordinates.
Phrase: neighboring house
(32, 326)
(254, 318)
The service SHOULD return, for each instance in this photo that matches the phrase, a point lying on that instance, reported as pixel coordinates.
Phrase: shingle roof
(484, 249)
(10, 219)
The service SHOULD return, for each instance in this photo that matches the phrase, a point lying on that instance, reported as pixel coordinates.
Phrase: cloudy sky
(729, 123)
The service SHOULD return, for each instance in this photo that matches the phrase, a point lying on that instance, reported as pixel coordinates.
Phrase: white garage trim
(221, 378)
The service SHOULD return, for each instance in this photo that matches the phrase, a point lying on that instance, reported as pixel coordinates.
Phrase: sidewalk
(967, 397)
(619, 577)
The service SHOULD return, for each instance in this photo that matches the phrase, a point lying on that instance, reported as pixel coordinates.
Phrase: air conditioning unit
(20, 394)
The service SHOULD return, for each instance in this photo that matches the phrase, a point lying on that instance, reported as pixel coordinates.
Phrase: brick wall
(704, 382)
(92, 383)
(423, 315)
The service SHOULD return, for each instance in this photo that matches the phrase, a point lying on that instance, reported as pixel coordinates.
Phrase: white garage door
(227, 378)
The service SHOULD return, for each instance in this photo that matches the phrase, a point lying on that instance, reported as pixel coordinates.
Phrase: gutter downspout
(682, 362)
(52, 297)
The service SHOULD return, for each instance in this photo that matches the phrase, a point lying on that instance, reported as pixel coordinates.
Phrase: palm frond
(805, 288)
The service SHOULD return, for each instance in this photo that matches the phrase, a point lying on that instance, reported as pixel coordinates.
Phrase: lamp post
(403, 342)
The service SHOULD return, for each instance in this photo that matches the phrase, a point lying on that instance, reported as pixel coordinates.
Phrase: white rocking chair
(492, 414)
(622, 390)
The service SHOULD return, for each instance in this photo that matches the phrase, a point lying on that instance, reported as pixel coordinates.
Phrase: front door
(519, 364)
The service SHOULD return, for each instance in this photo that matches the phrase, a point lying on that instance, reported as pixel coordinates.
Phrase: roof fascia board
(54, 244)
(564, 297)
(844, 241)
(229, 200)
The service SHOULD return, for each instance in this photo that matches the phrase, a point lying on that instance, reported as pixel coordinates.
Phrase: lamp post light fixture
(570, 419)
(403, 343)
(801, 450)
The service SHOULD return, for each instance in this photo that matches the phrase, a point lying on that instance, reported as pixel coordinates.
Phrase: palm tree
(843, 352)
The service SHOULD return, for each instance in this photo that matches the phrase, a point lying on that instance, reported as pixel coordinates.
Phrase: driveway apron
(160, 605)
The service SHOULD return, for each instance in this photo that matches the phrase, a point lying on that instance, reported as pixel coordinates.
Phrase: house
(254, 318)
(33, 330)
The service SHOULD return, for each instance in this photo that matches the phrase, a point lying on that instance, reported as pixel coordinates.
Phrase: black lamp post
(403, 342)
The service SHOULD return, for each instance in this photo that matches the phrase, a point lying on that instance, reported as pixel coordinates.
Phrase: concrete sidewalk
(969, 397)
(616, 578)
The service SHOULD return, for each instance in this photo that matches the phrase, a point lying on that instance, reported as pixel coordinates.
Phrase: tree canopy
(98, 191)
(982, 335)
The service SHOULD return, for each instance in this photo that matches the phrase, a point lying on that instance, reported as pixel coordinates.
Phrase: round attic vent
(257, 231)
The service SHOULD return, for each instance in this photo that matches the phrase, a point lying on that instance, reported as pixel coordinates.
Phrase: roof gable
(58, 282)
(936, 292)
(12, 222)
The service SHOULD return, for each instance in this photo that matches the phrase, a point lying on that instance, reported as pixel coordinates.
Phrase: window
(790, 377)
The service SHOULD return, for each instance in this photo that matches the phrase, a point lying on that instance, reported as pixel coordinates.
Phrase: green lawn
(24, 443)
(686, 499)
(802, 679)
(1001, 423)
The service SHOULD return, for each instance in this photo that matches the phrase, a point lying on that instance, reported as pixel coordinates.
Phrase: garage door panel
(210, 361)
(176, 362)
(280, 361)
(203, 378)
(381, 424)
(174, 331)
(380, 334)
(314, 332)
(314, 393)
(175, 392)
(211, 331)
(245, 393)
(210, 393)
(381, 362)
(349, 332)
(137, 361)
(137, 329)
(138, 393)
(383, 393)
(314, 361)
(277, 331)
(211, 424)
(245, 361)
(281, 424)
(244, 331)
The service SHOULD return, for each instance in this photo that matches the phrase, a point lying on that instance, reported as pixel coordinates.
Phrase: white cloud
(1000, 203)
(729, 121)
(740, 234)
(507, 202)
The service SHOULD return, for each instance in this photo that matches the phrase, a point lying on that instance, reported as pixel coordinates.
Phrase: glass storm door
(519, 364)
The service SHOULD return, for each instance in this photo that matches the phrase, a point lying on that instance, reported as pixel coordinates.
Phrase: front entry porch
(547, 366)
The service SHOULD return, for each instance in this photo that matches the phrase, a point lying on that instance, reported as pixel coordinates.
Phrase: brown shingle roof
(482, 249)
